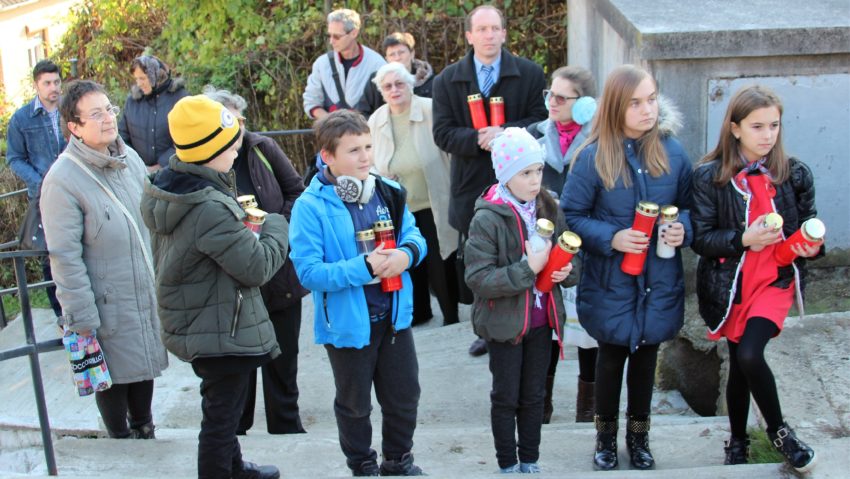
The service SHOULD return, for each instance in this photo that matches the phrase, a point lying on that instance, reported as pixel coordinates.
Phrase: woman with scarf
(571, 102)
(744, 293)
(144, 124)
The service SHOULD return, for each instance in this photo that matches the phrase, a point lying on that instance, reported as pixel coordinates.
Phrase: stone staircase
(453, 439)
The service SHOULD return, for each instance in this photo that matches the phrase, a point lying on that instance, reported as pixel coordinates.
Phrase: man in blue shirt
(34, 140)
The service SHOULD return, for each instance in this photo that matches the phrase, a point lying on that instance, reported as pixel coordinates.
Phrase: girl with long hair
(630, 158)
(744, 293)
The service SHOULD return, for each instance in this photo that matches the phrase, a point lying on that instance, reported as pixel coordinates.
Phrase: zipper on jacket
(554, 319)
(235, 322)
(522, 251)
(325, 307)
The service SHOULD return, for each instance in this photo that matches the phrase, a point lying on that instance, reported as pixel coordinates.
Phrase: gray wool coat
(102, 280)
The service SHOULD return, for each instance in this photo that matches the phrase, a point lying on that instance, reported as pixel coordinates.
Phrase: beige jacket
(435, 163)
(102, 280)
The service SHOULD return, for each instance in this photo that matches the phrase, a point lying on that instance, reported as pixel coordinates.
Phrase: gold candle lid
(247, 201)
(474, 97)
(497, 99)
(773, 221)
(364, 235)
(255, 215)
(648, 208)
(669, 213)
(545, 227)
(385, 225)
(813, 229)
(569, 242)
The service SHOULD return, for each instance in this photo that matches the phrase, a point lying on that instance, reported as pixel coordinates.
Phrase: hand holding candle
(644, 222)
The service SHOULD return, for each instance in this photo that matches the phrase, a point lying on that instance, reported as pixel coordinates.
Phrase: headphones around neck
(352, 190)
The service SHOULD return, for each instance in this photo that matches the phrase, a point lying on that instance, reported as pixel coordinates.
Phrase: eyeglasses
(100, 116)
(559, 99)
(398, 85)
(337, 36)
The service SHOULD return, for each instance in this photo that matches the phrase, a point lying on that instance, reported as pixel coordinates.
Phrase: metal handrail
(33, 348)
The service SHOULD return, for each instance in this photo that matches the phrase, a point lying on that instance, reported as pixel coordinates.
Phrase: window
(36, 46)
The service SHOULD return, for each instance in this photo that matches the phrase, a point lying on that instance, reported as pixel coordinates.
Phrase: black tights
(749, 373)
(640, 379)
(125, 401)
(586, 362)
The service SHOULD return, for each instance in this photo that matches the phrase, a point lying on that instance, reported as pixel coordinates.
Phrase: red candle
(568, 245)
(645, 215)
(254, 219)
(811, 233)
(476, 110)
(497, 111)
(385, 233)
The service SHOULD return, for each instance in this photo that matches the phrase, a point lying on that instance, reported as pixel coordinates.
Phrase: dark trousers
(389, 362)
(749, 373)
(280, 385)
(639, 380)
(433, 274)
(516, 400)
(123, 402)
(50, 290)
(222, 403)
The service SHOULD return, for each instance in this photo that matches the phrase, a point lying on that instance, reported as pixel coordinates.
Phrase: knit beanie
(513, 151)
(201, 128)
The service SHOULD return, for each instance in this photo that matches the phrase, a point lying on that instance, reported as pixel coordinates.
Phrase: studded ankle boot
(795, 451)
(737, 451)
(605, 457)
(637, 441)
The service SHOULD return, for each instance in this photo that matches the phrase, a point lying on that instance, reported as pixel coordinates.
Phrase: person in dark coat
(263, 170)
(744, 292)
(398, 47)
(632, 158)
(491, 71)
(144, 123)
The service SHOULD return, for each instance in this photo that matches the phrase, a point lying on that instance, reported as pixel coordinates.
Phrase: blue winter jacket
(615, 307)
(323, 250)
(32, 146)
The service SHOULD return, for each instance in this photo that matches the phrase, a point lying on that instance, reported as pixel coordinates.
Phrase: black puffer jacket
(718, 216)
(144, 121)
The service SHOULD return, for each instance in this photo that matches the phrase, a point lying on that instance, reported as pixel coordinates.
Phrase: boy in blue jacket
(366, 331)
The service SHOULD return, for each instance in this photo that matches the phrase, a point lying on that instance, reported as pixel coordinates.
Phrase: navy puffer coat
(615, 307)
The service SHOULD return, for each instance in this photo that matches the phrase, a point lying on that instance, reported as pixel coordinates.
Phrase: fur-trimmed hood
(174, 85)
(422, 72)
(669, 117)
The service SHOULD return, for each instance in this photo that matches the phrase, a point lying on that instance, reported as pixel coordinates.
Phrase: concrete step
(683, 448)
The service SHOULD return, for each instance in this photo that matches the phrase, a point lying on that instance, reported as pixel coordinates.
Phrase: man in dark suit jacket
(491, 71)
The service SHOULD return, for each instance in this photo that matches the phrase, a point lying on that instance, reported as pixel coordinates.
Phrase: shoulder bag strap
(123, 208)
(335, 73)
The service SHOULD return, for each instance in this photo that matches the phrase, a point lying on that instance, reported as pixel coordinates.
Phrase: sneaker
(402, 466)
(796, 452)
(367, 469)
(511, 469)
(250, 470)
(478, 348)
(529, 468)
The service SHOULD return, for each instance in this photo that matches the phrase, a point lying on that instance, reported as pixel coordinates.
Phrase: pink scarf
(566, 134)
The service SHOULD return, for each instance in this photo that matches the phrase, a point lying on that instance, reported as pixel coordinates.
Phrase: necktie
(487, 84)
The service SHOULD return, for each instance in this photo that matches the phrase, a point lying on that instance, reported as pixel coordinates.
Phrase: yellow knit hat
(201, 128)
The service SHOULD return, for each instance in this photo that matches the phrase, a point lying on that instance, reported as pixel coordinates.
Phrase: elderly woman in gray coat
(101, 256)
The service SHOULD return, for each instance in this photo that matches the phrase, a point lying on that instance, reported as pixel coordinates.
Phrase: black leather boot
(796, 452)
(637, 441)
(145, 431)
(402, 466)
(605, 457)
(737, 451)
(585, 401)
(548, 408)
